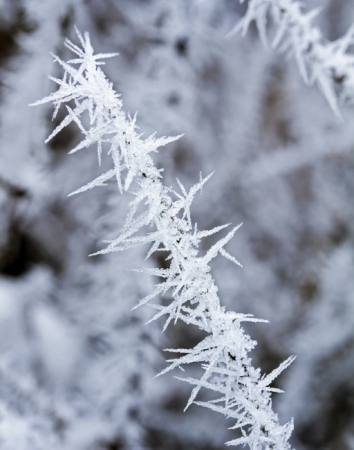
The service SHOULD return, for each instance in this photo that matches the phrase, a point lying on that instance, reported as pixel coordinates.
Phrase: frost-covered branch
(328, 64)
(160, 216)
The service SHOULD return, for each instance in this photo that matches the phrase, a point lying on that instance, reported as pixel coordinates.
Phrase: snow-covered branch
(328, 64)
(160, 216)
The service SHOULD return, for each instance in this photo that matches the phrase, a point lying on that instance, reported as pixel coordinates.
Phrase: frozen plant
(328, 64)
(160, 216)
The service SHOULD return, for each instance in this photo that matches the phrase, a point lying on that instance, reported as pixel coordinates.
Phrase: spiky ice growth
(160, 216)
(328, 64)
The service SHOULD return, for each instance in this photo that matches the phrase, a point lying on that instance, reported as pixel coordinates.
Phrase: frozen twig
(329, 64)
(160, 216)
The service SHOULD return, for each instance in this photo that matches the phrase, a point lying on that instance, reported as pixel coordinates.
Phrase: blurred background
(76, 365)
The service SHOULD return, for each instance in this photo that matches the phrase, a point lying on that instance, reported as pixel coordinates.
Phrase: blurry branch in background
(287, 160)
(328, 64)
(162, 216)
